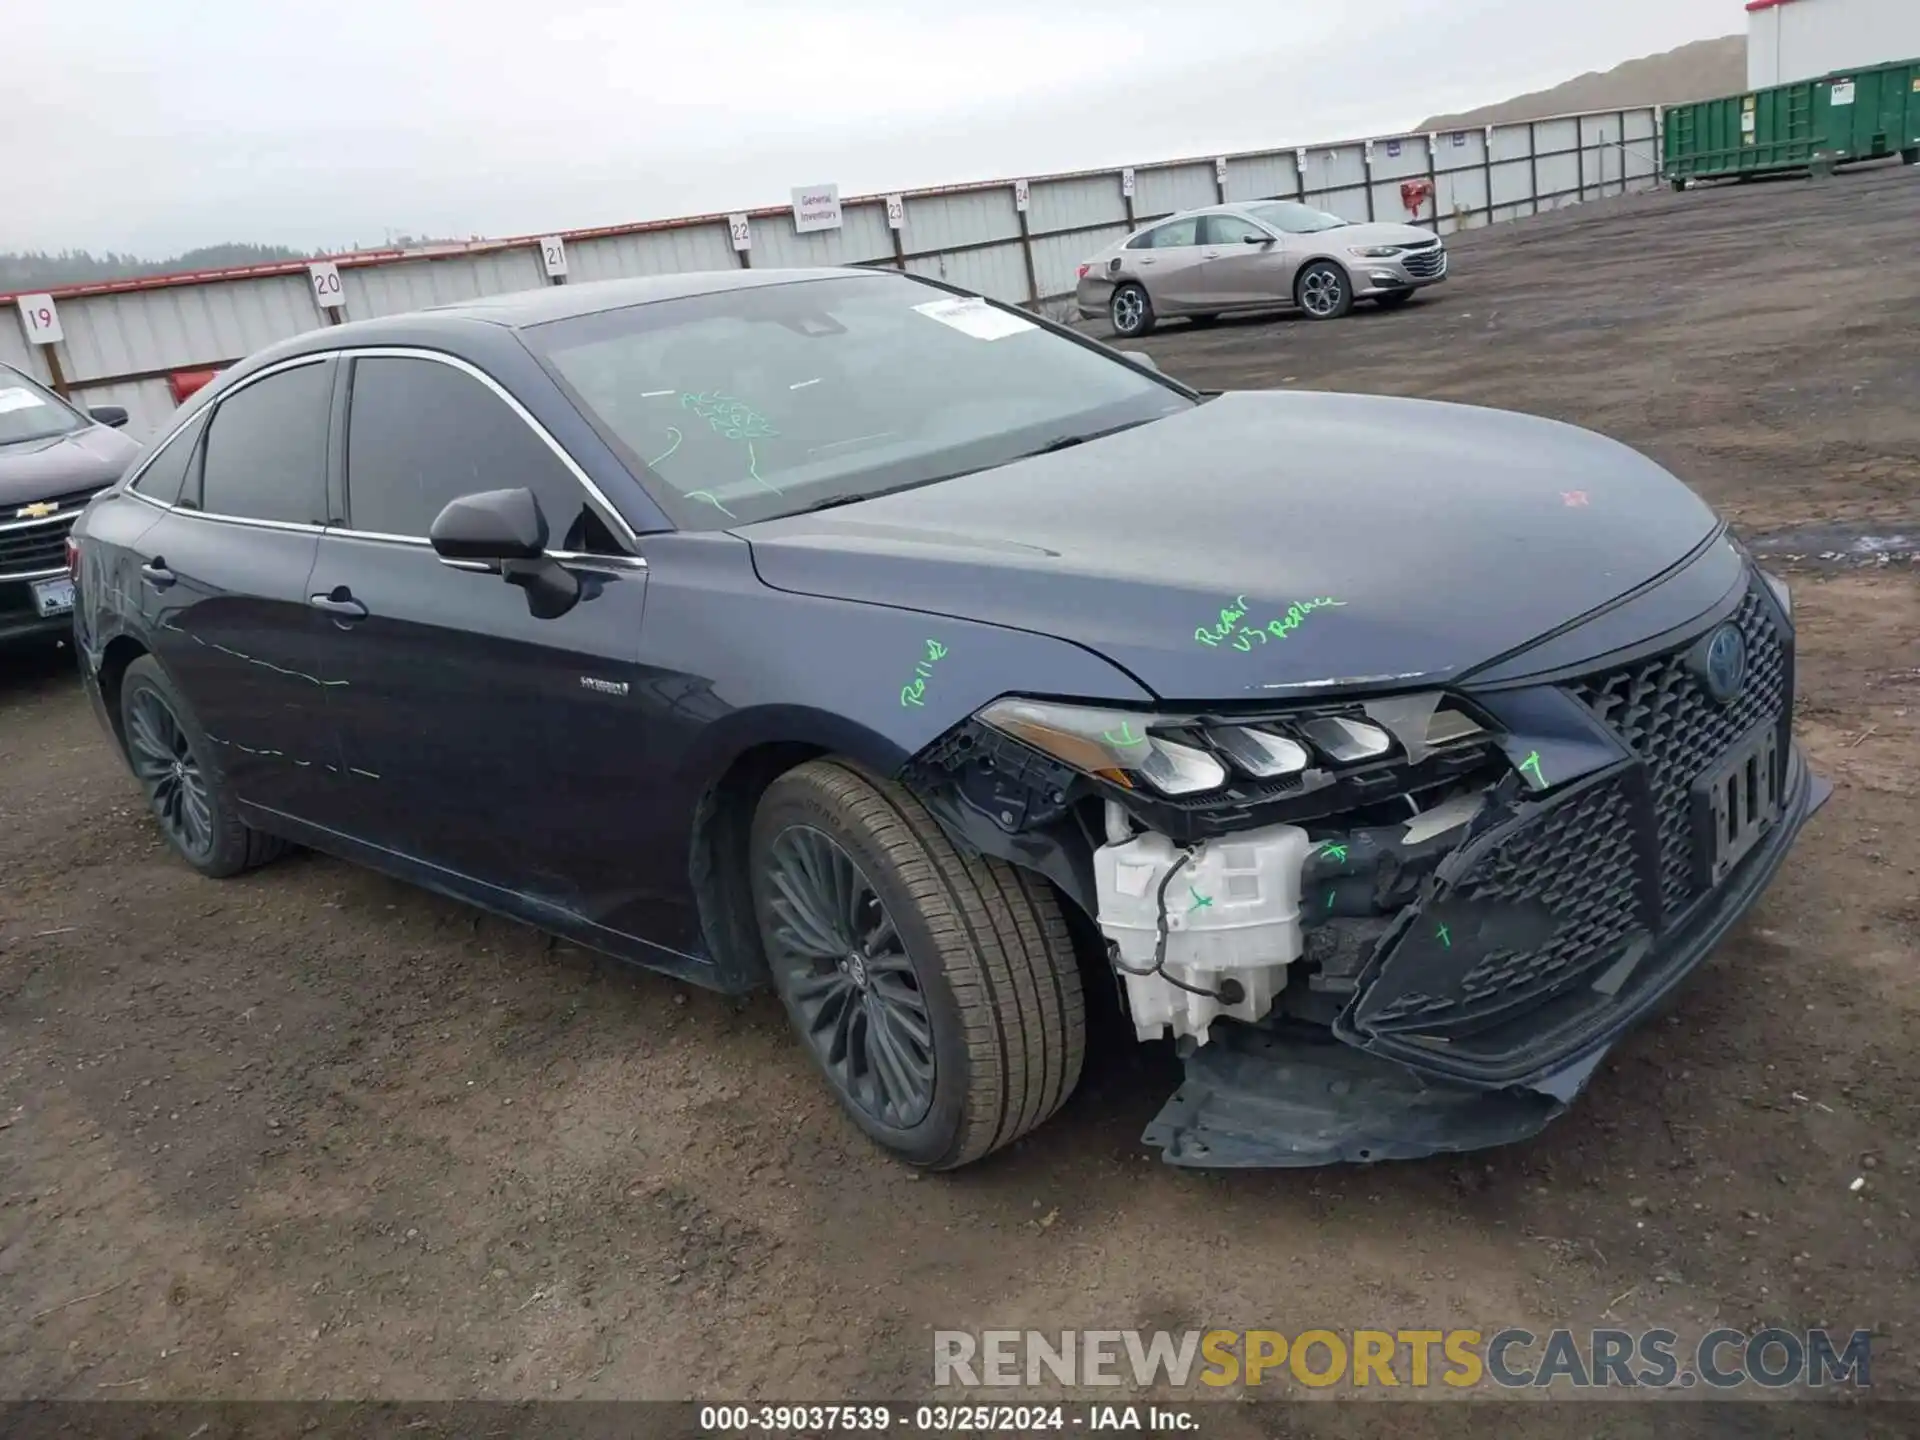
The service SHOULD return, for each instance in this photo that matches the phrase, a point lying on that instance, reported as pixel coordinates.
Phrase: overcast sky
(151, 128)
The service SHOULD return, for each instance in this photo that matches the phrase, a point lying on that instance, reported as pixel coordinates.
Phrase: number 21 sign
(41, 319)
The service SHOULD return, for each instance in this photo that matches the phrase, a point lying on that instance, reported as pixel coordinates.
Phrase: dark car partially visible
(53, 460)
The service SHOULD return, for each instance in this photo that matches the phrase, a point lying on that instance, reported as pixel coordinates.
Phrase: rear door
(1166, 260)
(223, 583)
(478, 738)
(1242, 264)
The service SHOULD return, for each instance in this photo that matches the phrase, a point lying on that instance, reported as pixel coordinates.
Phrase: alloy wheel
(1128, 307)
(844, 968)
(164, 763)
(1321, 292)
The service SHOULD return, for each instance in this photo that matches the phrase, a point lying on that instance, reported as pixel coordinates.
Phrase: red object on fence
(1414, 194)
(184, 383)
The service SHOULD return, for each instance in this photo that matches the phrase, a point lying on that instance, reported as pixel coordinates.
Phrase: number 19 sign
(41, 319)
(326, 285)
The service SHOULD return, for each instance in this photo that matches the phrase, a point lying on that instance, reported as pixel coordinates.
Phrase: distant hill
(1700, 71)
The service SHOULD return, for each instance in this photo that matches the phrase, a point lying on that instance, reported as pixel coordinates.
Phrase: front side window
(166, 474)
(765, 400)
(1231, 230)
(29, 411)
(1294, 219)
(421, 433)
(266, 448)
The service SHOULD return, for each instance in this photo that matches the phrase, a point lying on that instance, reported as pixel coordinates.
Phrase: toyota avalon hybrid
(844, 632)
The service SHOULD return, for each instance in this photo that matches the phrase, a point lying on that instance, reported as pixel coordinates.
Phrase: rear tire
(954, 1022)
(172, 761)
(1131, 311)
(1323, 291)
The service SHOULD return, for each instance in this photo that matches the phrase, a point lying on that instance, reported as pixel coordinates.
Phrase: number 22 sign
(41, 319)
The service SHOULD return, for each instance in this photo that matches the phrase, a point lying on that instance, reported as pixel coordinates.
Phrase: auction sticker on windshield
(14, 398)
(974, 317)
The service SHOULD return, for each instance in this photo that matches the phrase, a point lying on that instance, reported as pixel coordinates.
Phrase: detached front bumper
(1267, 1095)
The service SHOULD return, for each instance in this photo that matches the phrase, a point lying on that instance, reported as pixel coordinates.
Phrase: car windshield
(766, 400)
(28, 411)
(1294, 218)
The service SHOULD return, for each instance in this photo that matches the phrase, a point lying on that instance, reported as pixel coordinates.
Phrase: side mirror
(114, 415)
(494, 526)
(503, 532)
(1257, 239)
(1143, 360)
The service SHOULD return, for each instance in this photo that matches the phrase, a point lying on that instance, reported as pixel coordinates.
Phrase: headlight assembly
(1374, 252)
(1185, 755)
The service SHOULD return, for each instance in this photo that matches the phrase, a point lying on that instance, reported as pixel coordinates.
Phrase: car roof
(519, 308)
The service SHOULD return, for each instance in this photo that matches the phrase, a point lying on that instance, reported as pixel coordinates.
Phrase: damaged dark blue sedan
(842, 631)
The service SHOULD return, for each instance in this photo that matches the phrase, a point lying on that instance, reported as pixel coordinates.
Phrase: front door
(1243, 264)
(478, 739)
(223, 580)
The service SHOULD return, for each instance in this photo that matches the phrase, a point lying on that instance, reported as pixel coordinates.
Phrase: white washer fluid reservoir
(1233, 911)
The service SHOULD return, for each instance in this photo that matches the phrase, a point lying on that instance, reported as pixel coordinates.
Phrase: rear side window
(167, 472)
(1171, 235)
(266, 449)
(420, 433)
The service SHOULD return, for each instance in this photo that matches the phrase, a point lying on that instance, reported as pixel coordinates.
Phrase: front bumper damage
(1277, 1094)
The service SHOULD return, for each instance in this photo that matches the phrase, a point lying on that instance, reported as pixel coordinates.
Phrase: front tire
(172, 760)
(1323, 291)
(937, 992)
(1131, 311)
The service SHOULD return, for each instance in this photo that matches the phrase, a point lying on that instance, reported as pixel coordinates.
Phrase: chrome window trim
(399, 352)
(585, 558)
(608, 513)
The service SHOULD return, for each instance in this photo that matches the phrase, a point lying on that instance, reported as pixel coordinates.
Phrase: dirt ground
(312, 1133)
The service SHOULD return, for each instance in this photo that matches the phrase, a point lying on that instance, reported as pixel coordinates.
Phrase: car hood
(62, 464)
(1380, 232)
(1370, 540)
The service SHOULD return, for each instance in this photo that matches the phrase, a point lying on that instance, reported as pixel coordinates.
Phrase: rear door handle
(339, 603)
(156, 573)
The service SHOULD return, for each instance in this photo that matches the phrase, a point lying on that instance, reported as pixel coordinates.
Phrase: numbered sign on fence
(1020, 195)
(740, 232)
(553, 255)
(326, 285)
(41, 318)
(896, 213)
(1220, 170)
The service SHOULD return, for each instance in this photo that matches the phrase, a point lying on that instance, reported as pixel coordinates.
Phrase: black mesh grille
(1665, 716)
(1574, 861)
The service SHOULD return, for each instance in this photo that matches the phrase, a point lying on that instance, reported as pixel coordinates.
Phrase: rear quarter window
(265, 452)
(165, 474)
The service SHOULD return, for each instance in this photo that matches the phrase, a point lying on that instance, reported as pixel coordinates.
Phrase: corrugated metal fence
(124, 340)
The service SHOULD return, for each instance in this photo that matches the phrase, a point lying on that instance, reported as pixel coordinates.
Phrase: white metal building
(1789, 40)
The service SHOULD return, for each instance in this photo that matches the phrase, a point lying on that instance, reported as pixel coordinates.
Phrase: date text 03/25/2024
(941, 1419)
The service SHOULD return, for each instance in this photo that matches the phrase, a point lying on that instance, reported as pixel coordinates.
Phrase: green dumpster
(1847, 116)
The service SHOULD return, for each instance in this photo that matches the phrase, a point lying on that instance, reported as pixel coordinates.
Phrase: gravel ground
(313, 1133)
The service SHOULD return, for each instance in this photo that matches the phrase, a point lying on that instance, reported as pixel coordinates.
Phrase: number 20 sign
(326, 285)
(41, 319)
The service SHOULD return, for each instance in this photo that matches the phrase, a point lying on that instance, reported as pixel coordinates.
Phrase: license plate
(1738, 801)
(53, 597)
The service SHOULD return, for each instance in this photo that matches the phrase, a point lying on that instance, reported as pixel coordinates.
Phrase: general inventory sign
(816, 207)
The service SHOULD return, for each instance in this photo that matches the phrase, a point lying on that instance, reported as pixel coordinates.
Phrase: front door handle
(156, 573)
(339, 603)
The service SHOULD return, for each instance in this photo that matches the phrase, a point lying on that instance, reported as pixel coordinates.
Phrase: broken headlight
(1186, 755)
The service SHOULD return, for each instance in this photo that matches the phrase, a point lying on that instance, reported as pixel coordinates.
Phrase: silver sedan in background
(1253, 256)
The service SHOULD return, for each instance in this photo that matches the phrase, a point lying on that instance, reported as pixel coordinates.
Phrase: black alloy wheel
(840, 959)
(167, 769)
